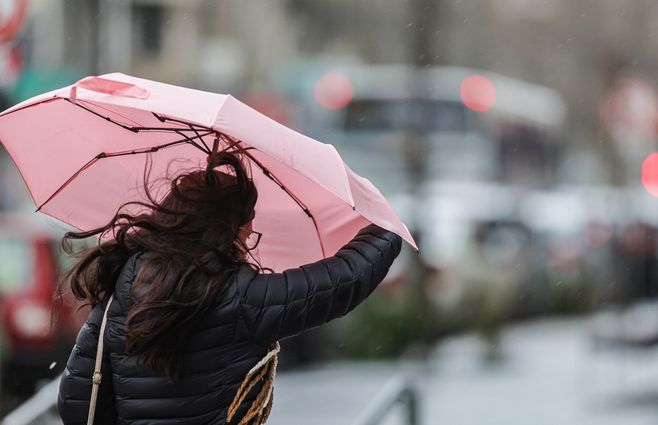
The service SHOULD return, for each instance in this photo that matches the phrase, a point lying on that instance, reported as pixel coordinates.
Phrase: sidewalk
(551, 374)
(335, 393)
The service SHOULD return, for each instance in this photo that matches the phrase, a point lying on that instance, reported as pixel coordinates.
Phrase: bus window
(379, 115)
(445, 116)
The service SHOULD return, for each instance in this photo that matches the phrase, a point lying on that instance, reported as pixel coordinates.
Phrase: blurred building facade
(210, 44)
(577, 47)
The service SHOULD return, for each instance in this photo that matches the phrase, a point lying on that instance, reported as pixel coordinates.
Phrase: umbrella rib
(156, 148)
(100, 115)
(69, 180)
(31, 105)
(276, 180)
(200, 138)
(109, 155)
(137, 129)
(162, 118)
(272, 177)
(192, 127)
(191, 140)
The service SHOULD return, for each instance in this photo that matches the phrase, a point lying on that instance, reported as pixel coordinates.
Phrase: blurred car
(32, 347)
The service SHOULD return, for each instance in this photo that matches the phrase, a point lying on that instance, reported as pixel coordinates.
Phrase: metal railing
(398, 390)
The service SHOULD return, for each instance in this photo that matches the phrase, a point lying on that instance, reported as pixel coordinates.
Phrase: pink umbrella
(82, 149)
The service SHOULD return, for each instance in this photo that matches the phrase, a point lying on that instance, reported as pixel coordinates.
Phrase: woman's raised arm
(278, 305)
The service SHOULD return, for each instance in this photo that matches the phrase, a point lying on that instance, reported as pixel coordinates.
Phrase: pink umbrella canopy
(82, 150)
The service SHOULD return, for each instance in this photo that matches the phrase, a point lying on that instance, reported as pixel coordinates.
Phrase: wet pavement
(550, 372)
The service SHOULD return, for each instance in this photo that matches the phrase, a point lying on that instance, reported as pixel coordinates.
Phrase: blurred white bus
(515, 141)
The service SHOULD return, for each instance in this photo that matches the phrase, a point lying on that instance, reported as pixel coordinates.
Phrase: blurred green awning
(34, 81)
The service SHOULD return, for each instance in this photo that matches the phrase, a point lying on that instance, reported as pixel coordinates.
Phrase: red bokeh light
(478, 93)
(333, 91)
(650, 174)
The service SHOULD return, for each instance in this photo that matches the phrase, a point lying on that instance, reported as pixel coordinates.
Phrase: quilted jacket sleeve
(75, 384)
(278, 305)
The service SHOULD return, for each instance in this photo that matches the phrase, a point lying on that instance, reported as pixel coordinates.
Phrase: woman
(192, 313)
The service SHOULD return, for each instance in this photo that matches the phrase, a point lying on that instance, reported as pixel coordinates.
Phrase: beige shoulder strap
(97, 376)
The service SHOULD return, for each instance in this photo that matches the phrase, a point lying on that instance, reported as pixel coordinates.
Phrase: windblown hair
(192, 238)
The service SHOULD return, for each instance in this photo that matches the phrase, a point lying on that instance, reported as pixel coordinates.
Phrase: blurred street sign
(12, 16)
(11, 65)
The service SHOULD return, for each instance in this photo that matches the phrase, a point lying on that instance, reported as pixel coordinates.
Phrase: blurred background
(518, 139)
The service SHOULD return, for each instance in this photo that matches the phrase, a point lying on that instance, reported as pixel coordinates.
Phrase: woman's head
(196, 236)
(210, 206)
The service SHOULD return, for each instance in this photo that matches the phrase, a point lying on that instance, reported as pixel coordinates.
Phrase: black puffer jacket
(254, 311)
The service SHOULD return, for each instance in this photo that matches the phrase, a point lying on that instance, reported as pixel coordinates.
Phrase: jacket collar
(127, 276)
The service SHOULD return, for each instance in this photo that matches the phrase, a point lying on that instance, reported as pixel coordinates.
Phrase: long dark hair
(192, 238)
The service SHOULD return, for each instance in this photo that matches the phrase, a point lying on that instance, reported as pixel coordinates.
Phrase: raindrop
(52, 365)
